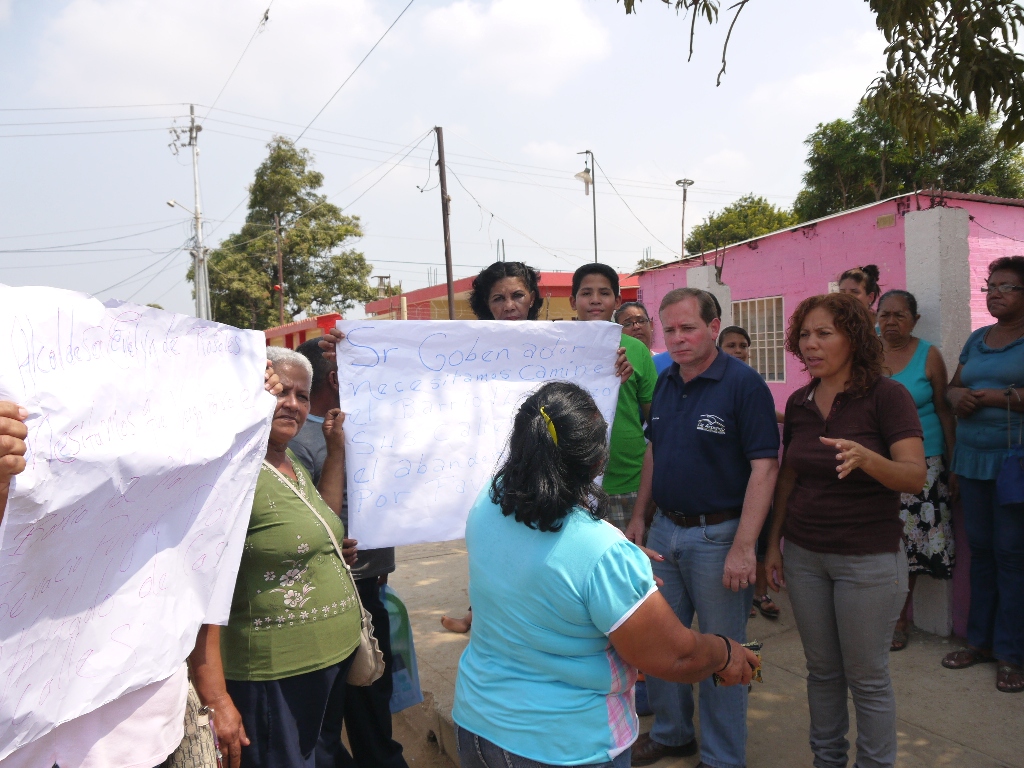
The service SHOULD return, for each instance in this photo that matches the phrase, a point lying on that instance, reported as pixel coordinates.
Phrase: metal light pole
(589, 178)
(685, 184)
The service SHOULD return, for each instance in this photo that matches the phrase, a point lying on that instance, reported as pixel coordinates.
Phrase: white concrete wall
(938, 274)
(705, 279)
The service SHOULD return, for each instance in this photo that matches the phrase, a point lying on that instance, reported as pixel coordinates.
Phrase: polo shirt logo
(710, 423)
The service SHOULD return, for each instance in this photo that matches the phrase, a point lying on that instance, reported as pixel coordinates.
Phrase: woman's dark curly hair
(540, 481)
(1009, 263)
(479, 299)
(852, 319)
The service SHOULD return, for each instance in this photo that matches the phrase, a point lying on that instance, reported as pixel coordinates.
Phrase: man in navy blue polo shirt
(710, 468)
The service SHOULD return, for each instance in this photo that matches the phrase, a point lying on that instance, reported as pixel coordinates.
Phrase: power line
(259, 27)
(75, 133)
(627, 204)
(170, 254)
(76, 231)
(354, 71)
(45, 248)
(84, 109)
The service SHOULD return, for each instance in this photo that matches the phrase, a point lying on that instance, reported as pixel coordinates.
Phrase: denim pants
(846, 607)
(477, 752)
(996, 538)
(692, 572)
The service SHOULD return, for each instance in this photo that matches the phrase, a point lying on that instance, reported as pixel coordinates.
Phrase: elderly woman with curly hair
(852, 444)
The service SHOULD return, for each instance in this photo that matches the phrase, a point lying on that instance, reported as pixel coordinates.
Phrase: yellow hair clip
(550, 425)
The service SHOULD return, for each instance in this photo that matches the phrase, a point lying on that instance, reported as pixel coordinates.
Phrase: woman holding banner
(566, 607)
(275, 677)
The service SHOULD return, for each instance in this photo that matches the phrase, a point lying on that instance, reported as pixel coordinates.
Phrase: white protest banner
(429, 406)
(124, 533)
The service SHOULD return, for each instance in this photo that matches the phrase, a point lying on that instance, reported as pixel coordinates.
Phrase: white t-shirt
(137, 730)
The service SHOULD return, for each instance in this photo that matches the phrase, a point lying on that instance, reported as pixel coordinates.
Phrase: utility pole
(280, 268)
(202, 283)
(685, 184)
(445, 200)
(589, 178)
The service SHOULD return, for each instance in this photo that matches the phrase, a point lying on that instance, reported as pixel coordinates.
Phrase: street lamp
(202, 276)
(589, 179)
(685, 184)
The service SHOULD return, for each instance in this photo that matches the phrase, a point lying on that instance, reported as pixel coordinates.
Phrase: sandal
(767, 608)
(1010, 678)
(965, 658)
(899, 640)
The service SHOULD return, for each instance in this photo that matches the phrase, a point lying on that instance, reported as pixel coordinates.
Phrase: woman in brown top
(852, 444)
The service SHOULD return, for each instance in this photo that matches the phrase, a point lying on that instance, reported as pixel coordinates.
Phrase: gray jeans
(846, 607)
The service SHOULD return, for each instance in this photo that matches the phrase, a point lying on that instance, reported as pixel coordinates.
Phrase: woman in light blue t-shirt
(565, 607)
(927, 517)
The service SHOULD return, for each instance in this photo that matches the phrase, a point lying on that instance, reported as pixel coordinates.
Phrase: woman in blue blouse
(987, 390)
(565, 607)
(918, 366)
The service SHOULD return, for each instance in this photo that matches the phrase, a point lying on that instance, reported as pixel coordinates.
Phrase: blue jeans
(996, 538)
(477, 752)
(692, 572)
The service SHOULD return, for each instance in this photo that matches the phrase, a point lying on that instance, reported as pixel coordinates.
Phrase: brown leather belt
(692, 521)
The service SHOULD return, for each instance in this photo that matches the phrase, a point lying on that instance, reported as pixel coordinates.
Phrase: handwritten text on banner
(125, 531)
(429, 408)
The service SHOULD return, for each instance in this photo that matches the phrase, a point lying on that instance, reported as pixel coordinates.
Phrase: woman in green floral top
(275, 676)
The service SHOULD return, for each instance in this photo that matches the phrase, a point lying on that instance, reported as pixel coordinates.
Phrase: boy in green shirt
(595, 296)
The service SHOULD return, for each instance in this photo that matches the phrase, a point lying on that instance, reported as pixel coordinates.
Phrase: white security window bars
(764, 320)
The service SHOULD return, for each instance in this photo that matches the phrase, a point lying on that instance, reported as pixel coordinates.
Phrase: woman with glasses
(635, 322)
(986, 393)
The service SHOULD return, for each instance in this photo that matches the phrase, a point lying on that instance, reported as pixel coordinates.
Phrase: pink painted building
(937, 247)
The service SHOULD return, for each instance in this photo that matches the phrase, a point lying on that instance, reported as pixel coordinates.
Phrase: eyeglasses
(1001, 288)
(631, 323)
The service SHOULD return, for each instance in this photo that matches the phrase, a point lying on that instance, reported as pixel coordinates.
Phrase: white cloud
(5, 10)
(843, 69)
(525, 46)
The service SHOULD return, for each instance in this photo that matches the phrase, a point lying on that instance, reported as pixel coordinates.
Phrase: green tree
(748, 217)
(944, 59)
(322, 273)
(866, 159)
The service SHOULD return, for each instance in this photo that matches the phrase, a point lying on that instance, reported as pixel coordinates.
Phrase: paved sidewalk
(946, 718)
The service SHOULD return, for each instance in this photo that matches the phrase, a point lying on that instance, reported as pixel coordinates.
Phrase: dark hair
(322, 367)
(867, 276)
(907, 296)
(630, 305)
(1010, 263)
(710, 309)
(733, 329)
(479, 298)
(540, 481)
(852, 319)
(595, 269)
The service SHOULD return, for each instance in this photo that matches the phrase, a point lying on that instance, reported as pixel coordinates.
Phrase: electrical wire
(1000, 234)
(76, 231)
(627, 206)
(259, 27)
(383, 176)
(75, 133)
(85, 109)
(353, 71)
(158, 261)
(141, 288)
(482, 207)
(43, 249)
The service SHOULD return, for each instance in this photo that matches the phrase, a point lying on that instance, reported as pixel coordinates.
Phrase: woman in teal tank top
(917, 365)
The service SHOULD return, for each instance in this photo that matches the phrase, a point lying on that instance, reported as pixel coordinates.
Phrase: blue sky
(518, 85)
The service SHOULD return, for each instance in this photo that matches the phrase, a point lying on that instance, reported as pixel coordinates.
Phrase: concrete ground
(953, 719)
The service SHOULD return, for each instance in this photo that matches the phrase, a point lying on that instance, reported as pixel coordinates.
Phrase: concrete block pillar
(938, 274)
(706, 279)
